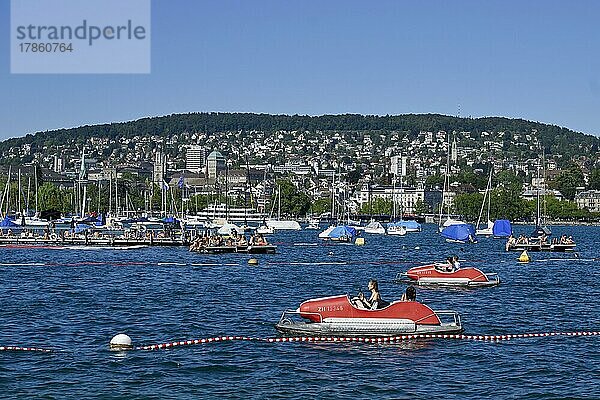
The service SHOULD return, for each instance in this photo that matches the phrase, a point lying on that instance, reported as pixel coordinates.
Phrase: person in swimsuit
(375, 301)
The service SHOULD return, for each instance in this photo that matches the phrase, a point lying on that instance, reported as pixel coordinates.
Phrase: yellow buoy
(253, 261)
(524, 257)
(359, 241)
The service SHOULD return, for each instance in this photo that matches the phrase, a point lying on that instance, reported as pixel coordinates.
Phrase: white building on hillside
(589, 200)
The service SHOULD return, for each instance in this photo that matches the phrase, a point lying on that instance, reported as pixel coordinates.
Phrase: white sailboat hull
(396, 231)
(284, 225)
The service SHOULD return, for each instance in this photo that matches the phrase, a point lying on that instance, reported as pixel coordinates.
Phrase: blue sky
(537, 60)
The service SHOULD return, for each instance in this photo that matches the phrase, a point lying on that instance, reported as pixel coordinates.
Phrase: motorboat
(313, 224)
(395, 230)
(440, 274)
(409, 224)
(342, 316)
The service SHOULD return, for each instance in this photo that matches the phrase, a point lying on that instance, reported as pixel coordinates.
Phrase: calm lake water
(76, 300)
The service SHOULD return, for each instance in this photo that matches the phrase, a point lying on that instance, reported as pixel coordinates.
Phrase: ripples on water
(77, 300)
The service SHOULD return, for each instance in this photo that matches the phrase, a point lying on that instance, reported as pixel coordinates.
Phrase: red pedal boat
(340, 316)
(436, 274)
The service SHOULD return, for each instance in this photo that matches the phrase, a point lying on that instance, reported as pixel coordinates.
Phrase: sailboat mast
(116, 193)
(36, 188)
(19, 193)
(6, 194)
(110, 193)
(28, 192)
(486, 196)
(401, 196)
(446, 184)
(537, 220)
(333, 198)
(543, 216)
(83, 200)
(393, 198)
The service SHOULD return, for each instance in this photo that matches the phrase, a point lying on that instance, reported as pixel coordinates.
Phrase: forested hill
(556, 140)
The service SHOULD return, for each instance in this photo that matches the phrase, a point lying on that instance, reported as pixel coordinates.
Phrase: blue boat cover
(8, 223)
(460, 232)
(101, 220)
(342, 230)
(502, 228)
(80, 228)
(408, 224)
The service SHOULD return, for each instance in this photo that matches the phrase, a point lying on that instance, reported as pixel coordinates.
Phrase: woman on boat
(375, 301)
(447, 267)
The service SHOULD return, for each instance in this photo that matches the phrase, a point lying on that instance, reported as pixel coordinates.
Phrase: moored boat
(541, 246)
(395, 229)
(459, 233)
(340, 233)
(374, 228)
(265, 230)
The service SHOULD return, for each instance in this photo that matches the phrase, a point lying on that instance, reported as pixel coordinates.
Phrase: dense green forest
(555, 139)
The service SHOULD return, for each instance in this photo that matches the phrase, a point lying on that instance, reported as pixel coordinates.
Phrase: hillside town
(357, 167)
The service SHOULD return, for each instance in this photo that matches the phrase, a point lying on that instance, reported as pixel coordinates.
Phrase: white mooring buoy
(121, 342)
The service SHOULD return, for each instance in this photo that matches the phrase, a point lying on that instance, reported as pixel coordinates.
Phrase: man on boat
(455, 263)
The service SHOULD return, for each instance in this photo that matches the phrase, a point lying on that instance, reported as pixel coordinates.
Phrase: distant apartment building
(405, 198)
(398, 165)
(298, 168)
(195, 157)
(532, 194)
(589, 200)
(58, 164)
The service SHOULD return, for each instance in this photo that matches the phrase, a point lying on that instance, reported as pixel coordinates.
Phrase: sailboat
(279, 223)
(393, 228)
(449, 221)
(489, 229)
(540, 229)
(373, 227)
(410, 225)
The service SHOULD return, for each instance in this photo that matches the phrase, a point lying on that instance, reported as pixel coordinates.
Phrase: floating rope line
(326, 339)
(17, 348)
(333, 339)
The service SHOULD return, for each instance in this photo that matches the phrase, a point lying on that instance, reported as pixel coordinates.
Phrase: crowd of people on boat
(541, 240)
(233, 240)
